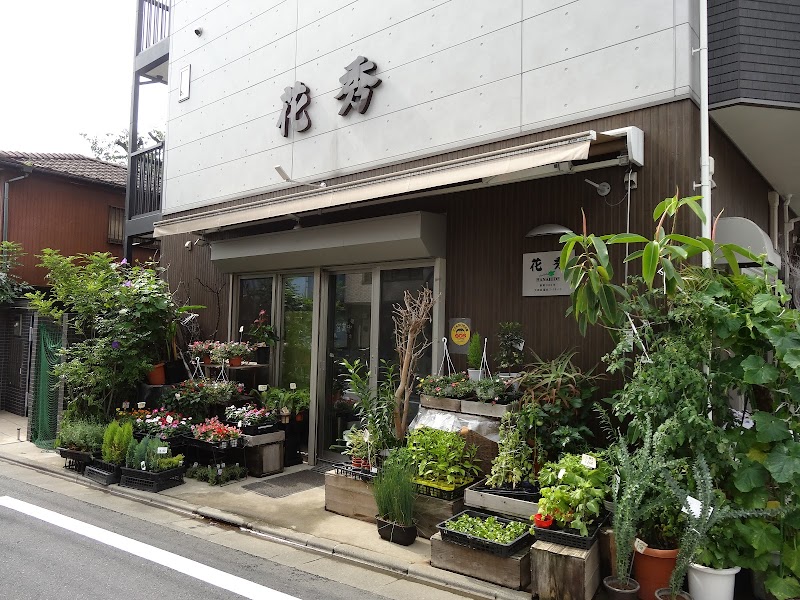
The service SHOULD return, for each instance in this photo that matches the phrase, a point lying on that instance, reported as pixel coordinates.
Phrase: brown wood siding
(486, 227)
(193, 279)
(50, 212)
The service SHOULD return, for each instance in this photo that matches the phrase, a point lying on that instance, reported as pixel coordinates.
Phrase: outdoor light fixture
(549, 229)
(603, 189)
(286, 177)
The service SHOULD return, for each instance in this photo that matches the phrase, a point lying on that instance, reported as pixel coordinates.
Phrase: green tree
(113, 147)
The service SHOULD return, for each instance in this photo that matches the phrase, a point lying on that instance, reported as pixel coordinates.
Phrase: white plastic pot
(706, 583)
(475, 374)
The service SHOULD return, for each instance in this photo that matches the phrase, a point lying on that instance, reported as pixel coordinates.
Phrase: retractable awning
(539, 159)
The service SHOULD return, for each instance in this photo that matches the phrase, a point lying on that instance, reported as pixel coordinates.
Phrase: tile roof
(74, 166)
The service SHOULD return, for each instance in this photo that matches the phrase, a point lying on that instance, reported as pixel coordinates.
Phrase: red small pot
(206, 359)
(356, 463)
(543, 521)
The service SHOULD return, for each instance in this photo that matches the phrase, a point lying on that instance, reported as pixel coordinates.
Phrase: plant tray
(476, 543)
(353, 473)
(75, 460)
(437, 490)
(151, 482)
(102, 476)
(258, 429)
(517, 494)
(569, 537)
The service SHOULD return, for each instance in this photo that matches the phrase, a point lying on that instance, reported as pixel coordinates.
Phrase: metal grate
(146, 180)
(154, 27)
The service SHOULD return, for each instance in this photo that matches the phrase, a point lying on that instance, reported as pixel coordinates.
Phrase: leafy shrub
(84, 436)
(513, 463)
(475, 351)
(145, 453)
(115, 442)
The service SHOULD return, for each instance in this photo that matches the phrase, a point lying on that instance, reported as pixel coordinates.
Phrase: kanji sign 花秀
(541, 275)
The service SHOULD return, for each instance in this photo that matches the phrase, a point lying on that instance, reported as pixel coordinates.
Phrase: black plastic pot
(666, 594)
(397, 534)
(621, 588)
(175, 371)
(262, 355)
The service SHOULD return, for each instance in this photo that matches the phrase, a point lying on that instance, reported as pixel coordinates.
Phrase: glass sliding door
(349, 329)
(298, 304)
(255, 295)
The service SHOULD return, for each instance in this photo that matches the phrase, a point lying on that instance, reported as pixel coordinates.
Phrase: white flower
(177, 396)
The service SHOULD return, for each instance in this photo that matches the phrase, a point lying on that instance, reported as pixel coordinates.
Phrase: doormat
(286, 485)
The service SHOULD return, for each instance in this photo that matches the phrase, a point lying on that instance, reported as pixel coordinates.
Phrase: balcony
(145, 185)
(152, 38)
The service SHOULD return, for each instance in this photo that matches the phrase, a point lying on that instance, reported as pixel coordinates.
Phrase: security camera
(198, 32)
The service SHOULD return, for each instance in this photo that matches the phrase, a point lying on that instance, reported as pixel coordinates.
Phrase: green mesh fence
(44, 416)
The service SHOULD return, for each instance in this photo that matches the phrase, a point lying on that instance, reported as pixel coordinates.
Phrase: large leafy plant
(513, 463)
(442, 457)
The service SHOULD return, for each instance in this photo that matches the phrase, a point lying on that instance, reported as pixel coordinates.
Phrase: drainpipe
(705, 166)
(787, 228)
(774, 201)
(5, 200)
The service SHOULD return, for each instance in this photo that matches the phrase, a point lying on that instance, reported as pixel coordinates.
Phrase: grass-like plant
(394, 493)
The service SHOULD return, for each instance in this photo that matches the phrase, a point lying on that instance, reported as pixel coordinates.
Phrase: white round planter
(706, 583)
(475, 374)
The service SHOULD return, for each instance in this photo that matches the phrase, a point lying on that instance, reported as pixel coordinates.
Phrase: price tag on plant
(234, 443)
(161, 450)
(126, 405)
(292, 386)
(374, 469)
(222, 465)
(590, 462)
(695, 506)
(640, 545)
(223, 445)
(561, 473)
(219, 471)
(239, 425)
(263, 388)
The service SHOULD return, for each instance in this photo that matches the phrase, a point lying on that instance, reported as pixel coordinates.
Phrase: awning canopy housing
(539, 159)
(743, 232)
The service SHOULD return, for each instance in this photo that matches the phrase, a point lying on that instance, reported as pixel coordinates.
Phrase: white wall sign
(541, 275)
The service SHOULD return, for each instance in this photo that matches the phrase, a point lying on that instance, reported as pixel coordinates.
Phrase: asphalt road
(40, 560)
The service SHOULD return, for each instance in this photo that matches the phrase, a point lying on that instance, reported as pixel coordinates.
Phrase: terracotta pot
(235, 361)
(621, 589)
(543, 521)
(206, 359)
(652, 569)
(355, 463)
(157, 376)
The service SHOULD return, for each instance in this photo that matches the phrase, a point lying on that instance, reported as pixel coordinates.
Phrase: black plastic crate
(102, 476)
(527, 494)
(353, 473)
(476, 543)
(152, 482)
(569, 537)
(75, 460)
(442, 494)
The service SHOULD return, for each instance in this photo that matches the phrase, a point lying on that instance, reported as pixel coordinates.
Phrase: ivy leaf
(782, 466)
(758, 372)
(762, 302)
(783, 588)
(750, 477)
(770, 428)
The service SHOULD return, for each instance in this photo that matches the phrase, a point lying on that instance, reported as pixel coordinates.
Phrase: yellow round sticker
(460, 333)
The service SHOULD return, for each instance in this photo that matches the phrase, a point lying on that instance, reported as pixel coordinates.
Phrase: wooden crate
(487, 409)
(564, 573)
(349, 497)
(450, 404)
(519, 509)
(353, 498)
(513, 572)
(429, 512)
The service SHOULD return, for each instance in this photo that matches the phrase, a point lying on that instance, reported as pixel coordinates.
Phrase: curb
(420, 572)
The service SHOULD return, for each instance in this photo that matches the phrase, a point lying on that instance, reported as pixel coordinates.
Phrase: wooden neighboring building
(68, 202)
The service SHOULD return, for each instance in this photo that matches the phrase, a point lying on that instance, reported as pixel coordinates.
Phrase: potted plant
(356, 441)
(78, 441)
(572, 492)
(452, 388)
(637, 472)
(475, 357)
(265, 336)
(490, 389)
(445, 464)
(250, 419)
(712, 574)
(150, 466)
(106, 470)
(510, 353)
(480, 531)
(394, 493)
(512, 468)
(216, 433)
(233, 352)
(202, 350)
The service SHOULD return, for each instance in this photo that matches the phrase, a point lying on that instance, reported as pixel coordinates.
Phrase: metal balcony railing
(154, 17)
(146, 180)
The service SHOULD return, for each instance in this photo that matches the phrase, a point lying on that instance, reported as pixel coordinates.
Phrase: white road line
(215, 577)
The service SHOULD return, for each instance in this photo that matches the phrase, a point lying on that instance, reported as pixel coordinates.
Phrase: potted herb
(444, 462)
(265, 336)
(394, 493)
(572, 493)
(475, 357)
(510, 354)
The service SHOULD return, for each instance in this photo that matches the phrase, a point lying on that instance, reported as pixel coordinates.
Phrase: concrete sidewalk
(298, 520)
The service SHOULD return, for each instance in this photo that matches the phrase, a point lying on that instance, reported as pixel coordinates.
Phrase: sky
(66, 69)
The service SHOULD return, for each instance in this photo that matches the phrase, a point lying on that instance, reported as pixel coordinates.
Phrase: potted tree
(511, 351)
(394, 493)
(115, 445)
(264, 335)
(475, 357)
